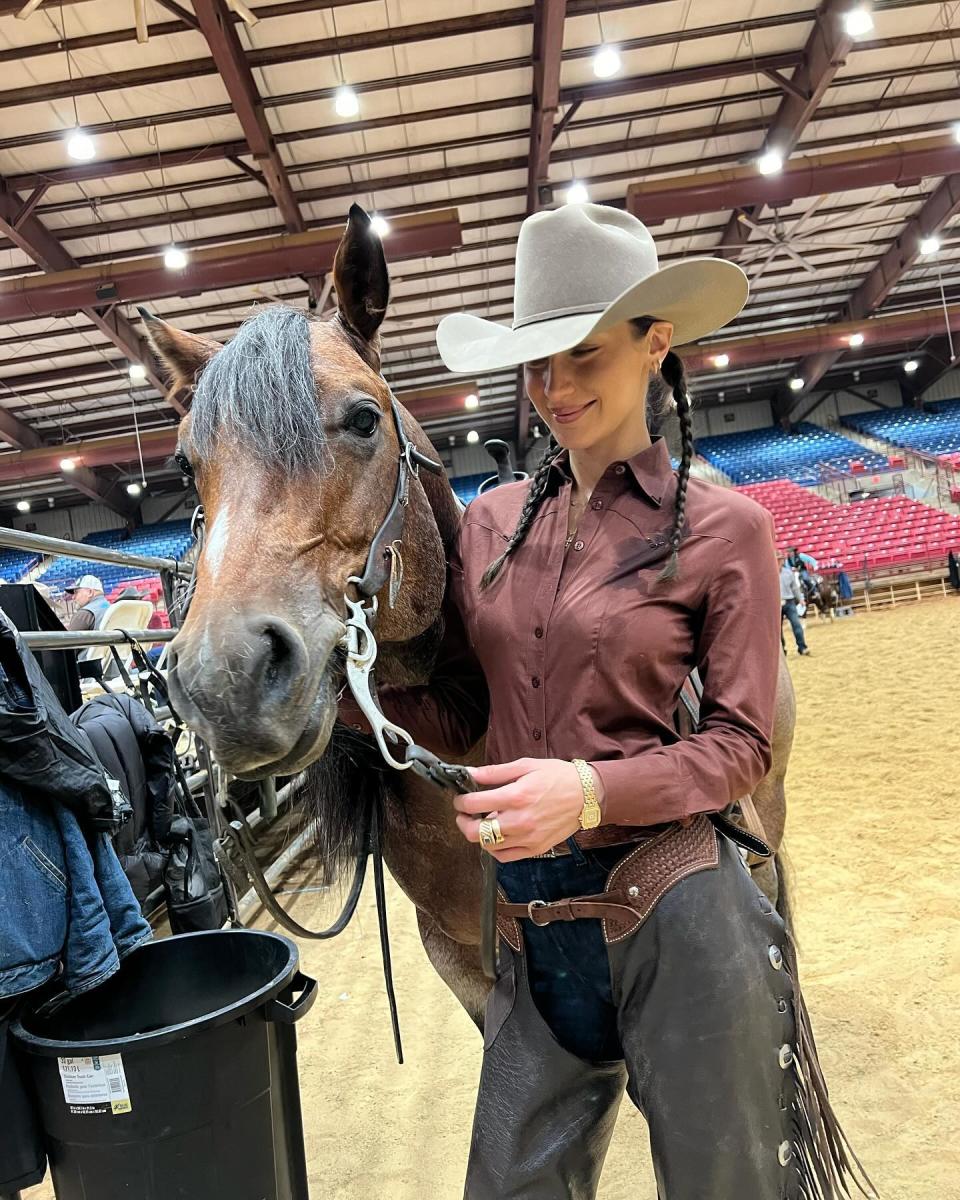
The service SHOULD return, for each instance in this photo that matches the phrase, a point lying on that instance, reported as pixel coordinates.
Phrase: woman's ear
(361, 279)
(183, 354)
(659, 340)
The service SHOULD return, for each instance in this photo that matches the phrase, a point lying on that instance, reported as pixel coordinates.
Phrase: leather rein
(384, 565)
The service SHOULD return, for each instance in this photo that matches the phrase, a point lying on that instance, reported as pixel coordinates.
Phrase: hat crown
(578, 259)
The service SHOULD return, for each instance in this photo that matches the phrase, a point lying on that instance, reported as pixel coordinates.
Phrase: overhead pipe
(231, 265)
(897, 163)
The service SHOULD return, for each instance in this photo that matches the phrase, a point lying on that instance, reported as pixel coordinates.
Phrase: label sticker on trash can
(95, 1085)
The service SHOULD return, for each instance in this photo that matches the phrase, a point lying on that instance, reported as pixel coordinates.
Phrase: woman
(588, 595)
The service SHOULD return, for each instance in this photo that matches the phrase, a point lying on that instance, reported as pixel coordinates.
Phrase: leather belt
(542, 912)
(605, 836)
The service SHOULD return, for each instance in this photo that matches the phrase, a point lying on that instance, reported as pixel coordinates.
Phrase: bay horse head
(294, 450)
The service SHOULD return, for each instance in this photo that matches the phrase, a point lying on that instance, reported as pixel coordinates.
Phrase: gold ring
(490, 833)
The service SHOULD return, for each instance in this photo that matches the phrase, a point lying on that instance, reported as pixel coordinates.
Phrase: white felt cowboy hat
(581, 269)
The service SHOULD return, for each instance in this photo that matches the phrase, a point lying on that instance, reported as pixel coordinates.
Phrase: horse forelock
(260, 392)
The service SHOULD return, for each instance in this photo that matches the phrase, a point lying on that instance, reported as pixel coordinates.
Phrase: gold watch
(590, 813)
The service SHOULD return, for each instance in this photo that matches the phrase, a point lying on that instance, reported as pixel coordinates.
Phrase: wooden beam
(548, 18)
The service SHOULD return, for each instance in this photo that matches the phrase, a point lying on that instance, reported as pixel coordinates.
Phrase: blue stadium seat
(806, 456)
(935, 432)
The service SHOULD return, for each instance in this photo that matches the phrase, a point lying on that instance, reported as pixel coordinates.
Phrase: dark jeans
(788, 609)
(567, 963)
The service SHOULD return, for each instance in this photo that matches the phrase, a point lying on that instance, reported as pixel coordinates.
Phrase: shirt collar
(651, 469)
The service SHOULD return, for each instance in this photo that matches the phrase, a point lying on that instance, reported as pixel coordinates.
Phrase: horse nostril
(282, 662)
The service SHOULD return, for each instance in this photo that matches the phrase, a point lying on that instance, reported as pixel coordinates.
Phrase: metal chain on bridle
(384, 566)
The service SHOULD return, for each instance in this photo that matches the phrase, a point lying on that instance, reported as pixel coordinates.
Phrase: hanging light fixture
(80, 145)
(134, 488)
(472, 401)
(606, 62)
(930, 244)
(770, 163)
(796, 384)
(345, 101)
(721, 360)
(138, 372)
(473, 437)
(174, 259)
(855, 339)
(577, 193)
(23, 506)
(858, 21)
(379, 225)
(68, 464)
(911, 366)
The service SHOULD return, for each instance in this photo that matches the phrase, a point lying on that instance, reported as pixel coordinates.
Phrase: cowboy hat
(90, 582)
(581, 269)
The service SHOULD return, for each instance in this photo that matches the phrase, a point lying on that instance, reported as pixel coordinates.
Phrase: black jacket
(40, 750)
(136, 751)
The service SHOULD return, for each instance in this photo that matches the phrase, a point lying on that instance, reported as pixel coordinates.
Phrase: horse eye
(364, 421)
(183, 463)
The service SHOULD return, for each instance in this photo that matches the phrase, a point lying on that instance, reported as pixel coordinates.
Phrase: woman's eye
(364, 422)
(183, 463)
(583, 351)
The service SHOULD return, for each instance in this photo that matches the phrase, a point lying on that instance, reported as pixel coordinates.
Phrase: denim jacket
(66, 906)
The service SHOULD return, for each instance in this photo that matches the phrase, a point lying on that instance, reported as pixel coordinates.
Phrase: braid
(535, 497)
(672, 372)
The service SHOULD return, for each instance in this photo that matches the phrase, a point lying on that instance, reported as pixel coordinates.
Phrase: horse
(823, 594)
(293, 449)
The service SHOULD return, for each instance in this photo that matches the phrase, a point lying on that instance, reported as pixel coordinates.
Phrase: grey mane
(259, 390)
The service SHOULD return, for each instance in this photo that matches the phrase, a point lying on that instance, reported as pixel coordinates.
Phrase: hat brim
(698, 296)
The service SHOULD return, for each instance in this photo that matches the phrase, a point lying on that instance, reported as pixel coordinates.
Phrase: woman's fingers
(492, 800)
(499, 773)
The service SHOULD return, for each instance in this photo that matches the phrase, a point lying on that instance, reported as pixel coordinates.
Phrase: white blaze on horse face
(216, 541)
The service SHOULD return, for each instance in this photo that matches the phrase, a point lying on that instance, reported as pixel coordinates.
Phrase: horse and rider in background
(818, 592)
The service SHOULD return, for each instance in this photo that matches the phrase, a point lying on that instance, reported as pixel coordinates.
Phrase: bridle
(384, 564)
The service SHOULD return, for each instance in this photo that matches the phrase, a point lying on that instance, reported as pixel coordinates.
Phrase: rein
(384, 565)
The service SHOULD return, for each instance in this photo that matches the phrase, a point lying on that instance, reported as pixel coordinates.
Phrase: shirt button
(538, 632)
(597, 504)
(619, 469)
(537, 735)
(535, 681)
(578, 545)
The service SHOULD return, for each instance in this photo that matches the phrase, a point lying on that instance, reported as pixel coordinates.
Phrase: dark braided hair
(672, 373)
(535, 496)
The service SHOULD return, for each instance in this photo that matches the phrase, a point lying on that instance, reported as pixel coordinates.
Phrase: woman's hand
(537, 801)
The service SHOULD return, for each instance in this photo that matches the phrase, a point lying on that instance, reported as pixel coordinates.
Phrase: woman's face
(596, 393)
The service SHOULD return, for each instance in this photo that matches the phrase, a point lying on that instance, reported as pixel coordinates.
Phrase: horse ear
(360, 277)
(183, 354)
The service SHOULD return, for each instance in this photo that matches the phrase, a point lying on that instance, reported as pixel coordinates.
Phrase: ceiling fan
(793, 241)
(140, 14)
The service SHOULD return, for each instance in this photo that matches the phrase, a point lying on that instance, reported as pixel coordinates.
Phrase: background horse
(823, 594)
(294, 455)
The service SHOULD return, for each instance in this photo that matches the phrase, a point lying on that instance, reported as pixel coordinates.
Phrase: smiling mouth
(566, 416)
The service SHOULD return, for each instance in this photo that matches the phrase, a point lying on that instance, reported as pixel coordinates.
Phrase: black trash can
(177, 1078)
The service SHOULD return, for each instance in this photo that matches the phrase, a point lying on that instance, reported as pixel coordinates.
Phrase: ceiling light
(138, 372)
(379, 226)
(67, 464)
(473, 437)
(606, 62)
(721, 360)
(174, 259)
(770, 163)
(911, 366)
(472, 401)
(577, 193)
(956, 131)
(80, 145)
(23, 506)
(796, 384)
(345, 102)
(858, 21)
(134, 489)
(929, 245)
(855, 339)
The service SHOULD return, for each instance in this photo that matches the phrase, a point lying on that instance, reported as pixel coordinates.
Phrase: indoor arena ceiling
(217, 128)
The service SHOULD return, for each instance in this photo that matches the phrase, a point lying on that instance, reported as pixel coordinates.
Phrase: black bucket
(177, 1078)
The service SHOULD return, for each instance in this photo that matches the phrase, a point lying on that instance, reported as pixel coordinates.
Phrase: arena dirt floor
(874, 796)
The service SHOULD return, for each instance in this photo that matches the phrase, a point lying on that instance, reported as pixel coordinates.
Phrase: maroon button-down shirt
(584, 652)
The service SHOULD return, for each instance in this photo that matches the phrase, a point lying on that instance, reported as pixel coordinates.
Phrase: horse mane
(260, 389)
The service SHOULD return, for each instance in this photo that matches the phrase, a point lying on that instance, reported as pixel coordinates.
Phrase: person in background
(790, 596)
(91, 604)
